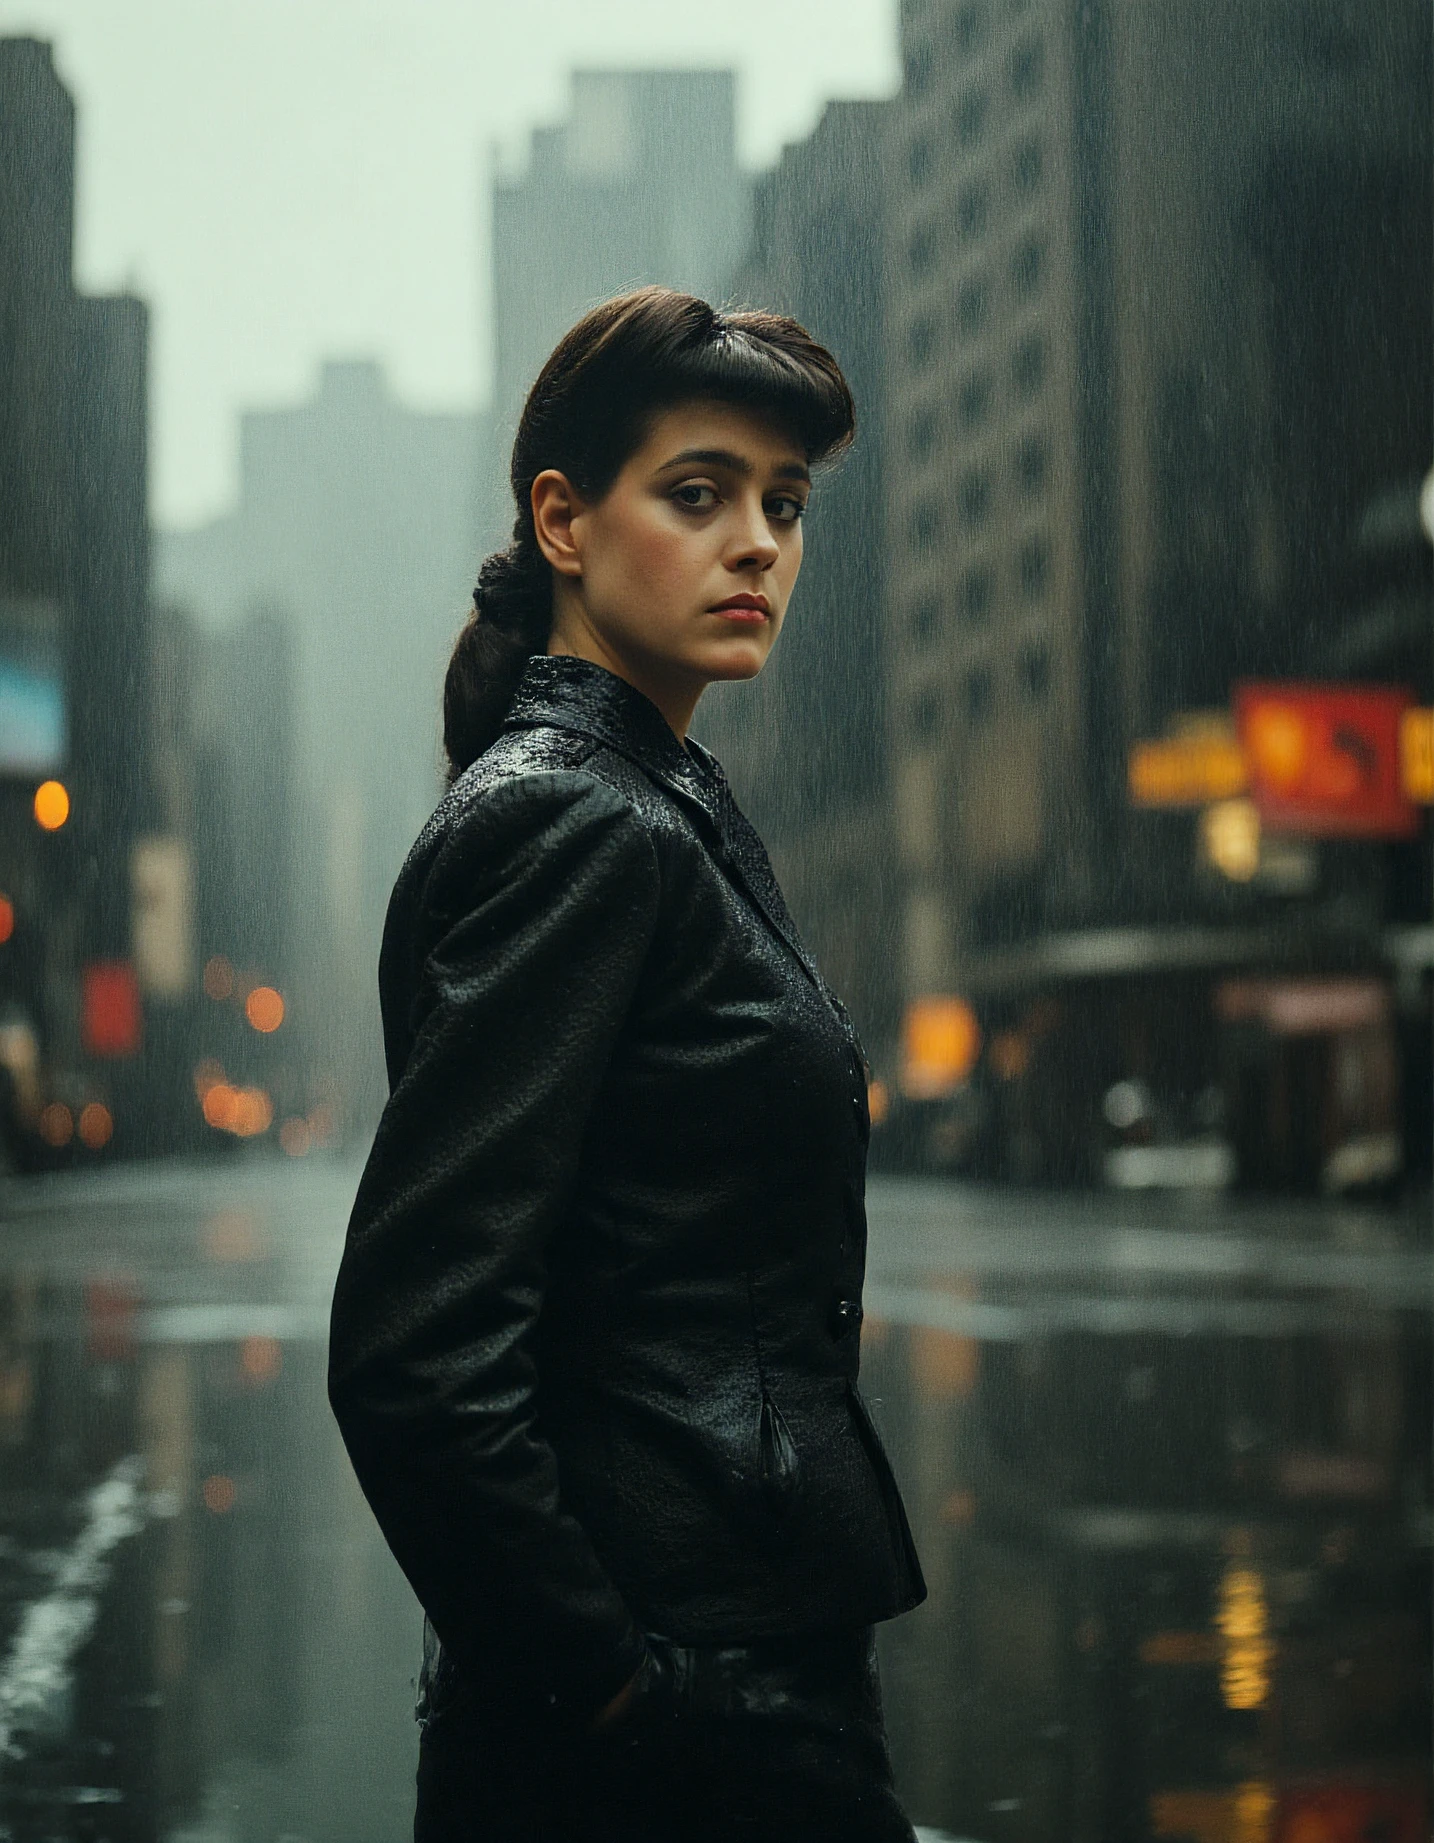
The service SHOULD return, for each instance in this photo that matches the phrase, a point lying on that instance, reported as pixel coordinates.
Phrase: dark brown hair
(586, 416)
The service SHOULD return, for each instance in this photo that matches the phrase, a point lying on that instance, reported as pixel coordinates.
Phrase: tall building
(74, 616)
(110, 611)
(639, 184)
(356, 526)
(1159, 339)
(805, 744)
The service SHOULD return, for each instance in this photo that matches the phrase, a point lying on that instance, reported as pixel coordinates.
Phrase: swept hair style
(586, 415)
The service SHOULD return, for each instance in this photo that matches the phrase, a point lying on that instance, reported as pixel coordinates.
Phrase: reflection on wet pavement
(1168, 1469)
(220, 1649)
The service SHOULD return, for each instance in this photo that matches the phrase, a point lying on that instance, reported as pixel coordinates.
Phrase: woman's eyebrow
(735, 463)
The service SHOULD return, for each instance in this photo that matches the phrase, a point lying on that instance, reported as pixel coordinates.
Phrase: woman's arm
(541, 906)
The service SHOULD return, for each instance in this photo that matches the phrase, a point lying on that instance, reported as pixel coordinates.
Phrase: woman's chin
(737, 660)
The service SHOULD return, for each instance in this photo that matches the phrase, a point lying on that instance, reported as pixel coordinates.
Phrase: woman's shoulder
(531, 774)
(537, 788)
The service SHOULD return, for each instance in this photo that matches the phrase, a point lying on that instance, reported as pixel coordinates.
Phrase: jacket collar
(567, 693)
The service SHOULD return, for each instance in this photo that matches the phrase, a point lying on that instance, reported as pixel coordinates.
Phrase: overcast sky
(286, 180)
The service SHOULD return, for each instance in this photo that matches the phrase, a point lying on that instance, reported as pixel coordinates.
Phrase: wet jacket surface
(596, 1331)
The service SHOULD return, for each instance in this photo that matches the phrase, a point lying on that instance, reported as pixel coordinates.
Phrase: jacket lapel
(574, 694)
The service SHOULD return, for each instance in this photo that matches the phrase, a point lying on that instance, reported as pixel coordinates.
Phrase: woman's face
(681, 573)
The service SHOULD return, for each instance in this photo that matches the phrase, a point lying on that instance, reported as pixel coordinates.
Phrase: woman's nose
(753, 541)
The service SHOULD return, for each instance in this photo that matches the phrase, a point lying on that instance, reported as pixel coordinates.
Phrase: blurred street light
(264, 1008)
(52, 805)
(941, 1040)
(96, 1125)
(1230, 838)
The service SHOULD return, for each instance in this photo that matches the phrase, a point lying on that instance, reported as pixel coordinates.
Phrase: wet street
(1167, 1464)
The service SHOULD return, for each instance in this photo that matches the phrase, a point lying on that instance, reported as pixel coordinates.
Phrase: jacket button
(846, 1316)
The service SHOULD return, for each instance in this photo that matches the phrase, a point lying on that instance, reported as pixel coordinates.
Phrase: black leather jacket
(595, 1335)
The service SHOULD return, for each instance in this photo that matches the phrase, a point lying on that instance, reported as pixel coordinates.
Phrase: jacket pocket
(890, 1491)
(779, 1465)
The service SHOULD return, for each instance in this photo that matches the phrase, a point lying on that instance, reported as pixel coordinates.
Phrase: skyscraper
(74, 569)
(357, 519)
(806, 743)
(1159, 343)
(639, 184)
(1154, 343)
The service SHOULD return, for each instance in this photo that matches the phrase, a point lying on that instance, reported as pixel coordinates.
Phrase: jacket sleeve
(540, 907)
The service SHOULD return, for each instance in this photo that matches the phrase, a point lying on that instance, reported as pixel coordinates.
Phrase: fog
(1095, 760)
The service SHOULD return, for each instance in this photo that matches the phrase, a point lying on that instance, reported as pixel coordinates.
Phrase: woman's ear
(555, 506)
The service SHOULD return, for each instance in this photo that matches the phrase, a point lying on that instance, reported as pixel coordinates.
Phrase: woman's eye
(786, 508)
(691, 494)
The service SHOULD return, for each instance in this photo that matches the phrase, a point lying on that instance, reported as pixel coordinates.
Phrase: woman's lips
(743, 608)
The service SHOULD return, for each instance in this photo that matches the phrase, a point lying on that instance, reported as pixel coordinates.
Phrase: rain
(1095, 761)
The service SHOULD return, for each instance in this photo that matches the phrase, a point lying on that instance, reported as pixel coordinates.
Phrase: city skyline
(353, 178)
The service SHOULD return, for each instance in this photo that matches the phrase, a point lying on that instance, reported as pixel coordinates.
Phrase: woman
(595, 1335)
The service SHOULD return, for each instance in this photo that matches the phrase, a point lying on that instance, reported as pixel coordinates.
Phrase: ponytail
(512, 614)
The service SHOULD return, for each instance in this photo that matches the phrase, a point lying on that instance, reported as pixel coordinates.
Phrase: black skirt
(776, 1742)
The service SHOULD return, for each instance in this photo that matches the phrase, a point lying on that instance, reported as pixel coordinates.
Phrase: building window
(918, 162)
(1031, 466)
(978, 697)
(972, 210)
(1034, 671)
(921, 434)
(925, 527)
(1028, 366)
(974, 498)
(925, 620)
(921, 250)
(1028, 69)
(921, 342)
(971, 117)
(973, 307)
(973, 400)
(1027, 167)
(968, 29)
(1035, 568)
(1028, 267)
(973, 597)
(919, 62)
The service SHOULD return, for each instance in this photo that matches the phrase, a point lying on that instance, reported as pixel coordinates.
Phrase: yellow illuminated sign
(1230, 838)
(1244, 1625)
(1186, 771)
(1416, 755)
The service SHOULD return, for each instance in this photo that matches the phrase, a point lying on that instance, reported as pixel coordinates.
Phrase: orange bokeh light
(219, 1493)
(52, 805)
(245, 1112)
(295, 1137)
(7, 918)
(260, 1359)
(264, 1008)
(941, 1040)
(57, 1124)
(217, 1102)
(96, 1125)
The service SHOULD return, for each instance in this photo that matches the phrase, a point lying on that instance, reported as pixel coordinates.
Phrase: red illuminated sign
(111, 1021)
(1324, 759)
